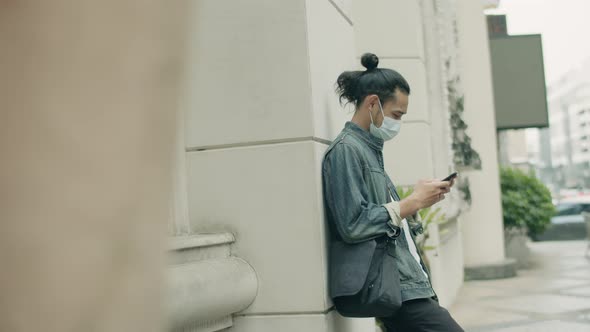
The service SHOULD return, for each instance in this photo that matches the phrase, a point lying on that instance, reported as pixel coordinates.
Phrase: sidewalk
(554, 295)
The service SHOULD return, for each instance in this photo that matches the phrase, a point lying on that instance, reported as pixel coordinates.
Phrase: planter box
(516, 245)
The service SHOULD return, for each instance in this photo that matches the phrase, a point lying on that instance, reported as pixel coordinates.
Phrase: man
(361, 201)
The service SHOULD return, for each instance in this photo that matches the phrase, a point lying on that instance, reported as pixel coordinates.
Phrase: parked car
(568, 223)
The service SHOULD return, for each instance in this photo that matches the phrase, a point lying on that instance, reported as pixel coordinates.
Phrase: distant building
(569, 117)
(515, 151)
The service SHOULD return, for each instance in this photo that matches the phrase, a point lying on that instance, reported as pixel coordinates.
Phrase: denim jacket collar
(374, 142)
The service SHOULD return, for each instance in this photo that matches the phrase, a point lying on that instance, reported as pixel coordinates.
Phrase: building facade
(245, 91)
(258, 112)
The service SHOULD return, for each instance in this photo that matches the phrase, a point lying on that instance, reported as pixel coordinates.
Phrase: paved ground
(553, 295)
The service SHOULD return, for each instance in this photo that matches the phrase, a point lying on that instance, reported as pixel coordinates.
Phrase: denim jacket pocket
(408, 268)
(406, 271)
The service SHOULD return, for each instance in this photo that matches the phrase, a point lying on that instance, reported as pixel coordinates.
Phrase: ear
(371, 101)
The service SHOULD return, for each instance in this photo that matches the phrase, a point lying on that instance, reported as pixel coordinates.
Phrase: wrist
(409, 206)
(415, 203)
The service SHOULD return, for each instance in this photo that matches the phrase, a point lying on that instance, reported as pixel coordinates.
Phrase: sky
(564, 25)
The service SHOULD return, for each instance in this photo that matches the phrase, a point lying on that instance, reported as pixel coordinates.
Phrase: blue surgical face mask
(389, 128)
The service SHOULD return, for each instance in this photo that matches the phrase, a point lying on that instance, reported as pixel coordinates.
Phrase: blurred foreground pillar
(87, 95)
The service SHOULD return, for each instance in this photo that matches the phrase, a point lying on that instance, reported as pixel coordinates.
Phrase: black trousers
(421, 315)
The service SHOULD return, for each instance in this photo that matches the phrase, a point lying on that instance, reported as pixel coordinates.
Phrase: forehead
(401, 99)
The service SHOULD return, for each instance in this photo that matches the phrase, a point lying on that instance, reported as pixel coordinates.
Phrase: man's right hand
(426, 193)
(430, 192)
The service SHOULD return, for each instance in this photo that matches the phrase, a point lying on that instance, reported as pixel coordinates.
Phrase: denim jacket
(357, 193)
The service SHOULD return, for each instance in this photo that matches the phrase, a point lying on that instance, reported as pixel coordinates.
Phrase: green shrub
(526, 202)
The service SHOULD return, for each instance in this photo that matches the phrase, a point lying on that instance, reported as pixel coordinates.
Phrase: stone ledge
(504, 269)
(200, 240)
(199, 247)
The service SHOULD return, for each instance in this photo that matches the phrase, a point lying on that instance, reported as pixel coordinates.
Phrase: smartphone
(450, 177)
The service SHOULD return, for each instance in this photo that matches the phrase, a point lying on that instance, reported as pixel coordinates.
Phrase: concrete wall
(393, 31)
(260, 109)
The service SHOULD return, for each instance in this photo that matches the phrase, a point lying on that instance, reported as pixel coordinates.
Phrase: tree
(526, 201)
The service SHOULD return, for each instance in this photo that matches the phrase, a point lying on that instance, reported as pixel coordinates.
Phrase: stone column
(483, 227)
(260, 111)
(88, 93)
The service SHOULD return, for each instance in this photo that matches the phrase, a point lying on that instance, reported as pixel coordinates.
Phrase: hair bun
(369, 61)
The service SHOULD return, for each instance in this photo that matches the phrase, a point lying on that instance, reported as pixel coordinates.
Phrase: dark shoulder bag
(364, 279)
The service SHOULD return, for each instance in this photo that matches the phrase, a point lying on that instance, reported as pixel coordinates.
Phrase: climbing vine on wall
(461, 153)
(464, 156)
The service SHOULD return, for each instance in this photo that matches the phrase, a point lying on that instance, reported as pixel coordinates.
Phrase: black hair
(354, 86)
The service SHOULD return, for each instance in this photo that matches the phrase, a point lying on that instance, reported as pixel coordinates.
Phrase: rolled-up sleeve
(346, 198)
(393, 209)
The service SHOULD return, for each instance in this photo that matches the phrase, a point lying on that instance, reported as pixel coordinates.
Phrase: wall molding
(258, 143)
(206, 284)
